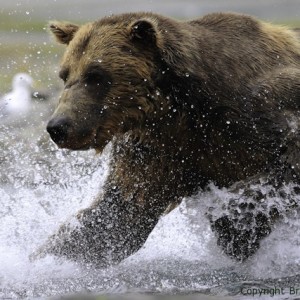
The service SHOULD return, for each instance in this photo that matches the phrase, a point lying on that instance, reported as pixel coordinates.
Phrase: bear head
(111, 69)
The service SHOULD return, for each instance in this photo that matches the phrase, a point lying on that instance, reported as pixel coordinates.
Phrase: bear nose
(58, 129)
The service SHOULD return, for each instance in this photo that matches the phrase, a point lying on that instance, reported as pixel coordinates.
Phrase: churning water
(41, 187)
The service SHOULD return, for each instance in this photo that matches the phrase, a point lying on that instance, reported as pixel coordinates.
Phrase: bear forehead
(93, 38)
(105, 40)
(109, 31)
(92, 43)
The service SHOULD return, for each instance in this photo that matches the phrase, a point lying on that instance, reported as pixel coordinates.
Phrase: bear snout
(58, 129)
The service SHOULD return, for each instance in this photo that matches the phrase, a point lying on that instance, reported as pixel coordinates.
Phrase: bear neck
(194, 135)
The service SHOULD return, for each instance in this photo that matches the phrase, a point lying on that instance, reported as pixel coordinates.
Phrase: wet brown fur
(184, 103)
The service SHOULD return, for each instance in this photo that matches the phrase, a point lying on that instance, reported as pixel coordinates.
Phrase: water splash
(42, 186)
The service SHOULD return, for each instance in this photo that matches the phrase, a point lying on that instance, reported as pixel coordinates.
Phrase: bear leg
(250, 214)
(105, 233)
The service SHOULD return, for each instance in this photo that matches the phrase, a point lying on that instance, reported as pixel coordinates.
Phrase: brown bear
(183, 104)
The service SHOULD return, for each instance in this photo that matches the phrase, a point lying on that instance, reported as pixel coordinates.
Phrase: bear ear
(143, 31)
(63, 32)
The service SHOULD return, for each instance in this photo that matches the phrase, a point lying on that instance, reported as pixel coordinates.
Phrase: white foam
(38, 197)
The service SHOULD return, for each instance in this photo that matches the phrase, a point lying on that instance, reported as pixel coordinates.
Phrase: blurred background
(26, 47)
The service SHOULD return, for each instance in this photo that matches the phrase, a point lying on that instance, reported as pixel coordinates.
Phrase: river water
(42, 186)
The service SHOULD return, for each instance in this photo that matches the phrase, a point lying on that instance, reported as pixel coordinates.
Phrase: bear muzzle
(68, 134)
(58, 128)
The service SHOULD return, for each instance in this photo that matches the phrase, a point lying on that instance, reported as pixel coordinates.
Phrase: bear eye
(94, 77)
(64, 74)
